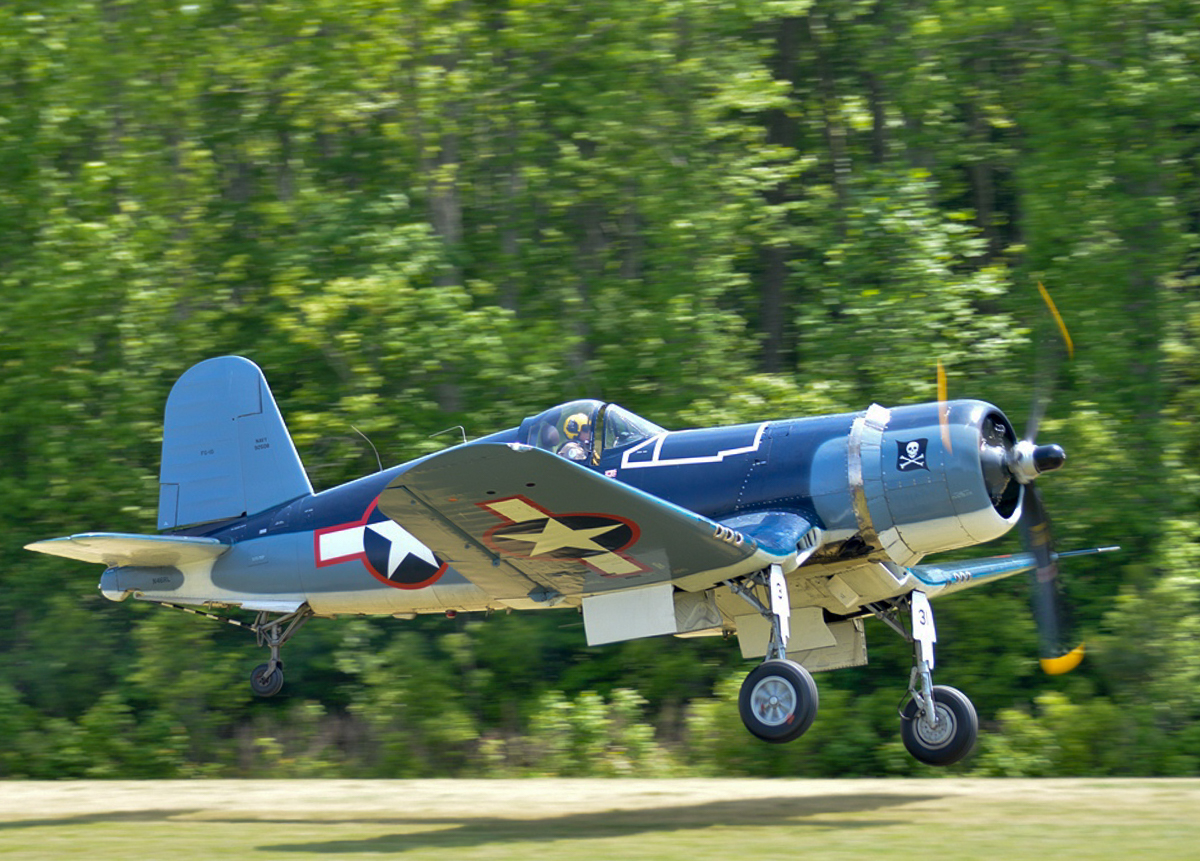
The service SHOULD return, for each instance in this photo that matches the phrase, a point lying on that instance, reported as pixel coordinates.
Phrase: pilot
(578, 431)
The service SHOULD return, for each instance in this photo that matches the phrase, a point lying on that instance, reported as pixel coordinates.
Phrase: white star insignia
(556, 535)
(401, 544)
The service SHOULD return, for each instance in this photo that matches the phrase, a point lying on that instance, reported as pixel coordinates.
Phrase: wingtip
(1064, 664)
(47, 545)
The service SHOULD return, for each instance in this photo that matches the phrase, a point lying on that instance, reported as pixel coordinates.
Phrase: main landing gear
(778, 699)
(938, 724)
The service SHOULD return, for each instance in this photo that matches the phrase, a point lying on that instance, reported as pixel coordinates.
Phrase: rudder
(226, 451)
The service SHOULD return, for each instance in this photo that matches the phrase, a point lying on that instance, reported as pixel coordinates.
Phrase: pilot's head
(577, 427)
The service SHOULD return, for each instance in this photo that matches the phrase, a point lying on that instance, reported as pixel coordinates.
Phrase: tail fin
(226, 451)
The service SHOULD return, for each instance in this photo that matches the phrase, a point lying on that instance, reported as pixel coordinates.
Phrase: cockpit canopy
(583, 430)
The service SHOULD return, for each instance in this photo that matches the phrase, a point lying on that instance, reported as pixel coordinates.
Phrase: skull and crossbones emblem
(911, 455)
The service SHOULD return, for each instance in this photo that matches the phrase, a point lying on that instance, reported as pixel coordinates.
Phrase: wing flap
(521, 519)
(114, 548)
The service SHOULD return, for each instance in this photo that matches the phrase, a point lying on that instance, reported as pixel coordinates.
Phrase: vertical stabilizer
(226, 451)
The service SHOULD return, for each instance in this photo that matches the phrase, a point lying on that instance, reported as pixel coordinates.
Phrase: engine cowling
(931, 477)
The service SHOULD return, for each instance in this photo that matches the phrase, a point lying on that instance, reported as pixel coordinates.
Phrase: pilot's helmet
(576, 425)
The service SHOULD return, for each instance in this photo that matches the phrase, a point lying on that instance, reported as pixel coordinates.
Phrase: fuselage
(891, 484)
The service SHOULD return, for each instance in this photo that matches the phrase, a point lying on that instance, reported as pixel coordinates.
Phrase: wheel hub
(941, 733)
(774, 701)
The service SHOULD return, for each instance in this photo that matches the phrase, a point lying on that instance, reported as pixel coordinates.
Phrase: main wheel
(266, 684)
(778, 701)
(954, 732)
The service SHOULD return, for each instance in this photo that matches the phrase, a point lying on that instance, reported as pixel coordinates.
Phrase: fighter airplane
(786, 534)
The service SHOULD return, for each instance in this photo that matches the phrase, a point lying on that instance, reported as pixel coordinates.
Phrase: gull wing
(524, 523)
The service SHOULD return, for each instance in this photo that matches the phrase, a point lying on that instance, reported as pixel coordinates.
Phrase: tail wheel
(954, 731)
(266, 682)
(778, 701)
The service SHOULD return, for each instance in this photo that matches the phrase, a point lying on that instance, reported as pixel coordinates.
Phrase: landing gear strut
(778, 701)
(266, 680)
(938, 724)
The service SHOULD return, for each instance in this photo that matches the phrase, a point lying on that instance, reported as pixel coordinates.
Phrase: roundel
(569, 536)
(599, 541)
(385, 548)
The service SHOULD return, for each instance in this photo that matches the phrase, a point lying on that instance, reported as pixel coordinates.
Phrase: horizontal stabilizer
(113, 549)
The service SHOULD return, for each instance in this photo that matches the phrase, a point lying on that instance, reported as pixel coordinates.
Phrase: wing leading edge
(523, 523)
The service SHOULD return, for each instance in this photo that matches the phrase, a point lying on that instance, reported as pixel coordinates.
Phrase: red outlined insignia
(595, 540)
(386, 549)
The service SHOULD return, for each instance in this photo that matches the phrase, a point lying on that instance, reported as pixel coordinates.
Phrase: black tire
(953, 737)
(778, 701)
(266, 684)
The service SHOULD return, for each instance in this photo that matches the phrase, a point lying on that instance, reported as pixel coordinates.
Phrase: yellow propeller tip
(1068, 662)
(1062, 326)
(943, 407)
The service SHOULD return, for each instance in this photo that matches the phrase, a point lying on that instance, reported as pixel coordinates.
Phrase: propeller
(1028, 460)
(1043, 398)
(1004, 462)
(1057, 655)
(943, 406)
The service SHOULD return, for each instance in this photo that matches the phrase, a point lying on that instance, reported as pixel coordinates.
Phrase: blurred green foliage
(423, 214)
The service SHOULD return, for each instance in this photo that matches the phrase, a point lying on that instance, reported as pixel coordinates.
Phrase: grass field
(619, 820)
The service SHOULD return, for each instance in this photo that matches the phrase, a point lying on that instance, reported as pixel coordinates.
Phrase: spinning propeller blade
(1028, 460)
(1046, 380)
(943, 406)
(1023, 461)
(1062, 327)
(1057, 654)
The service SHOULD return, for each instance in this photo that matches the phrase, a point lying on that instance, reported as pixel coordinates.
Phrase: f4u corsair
(786, 533)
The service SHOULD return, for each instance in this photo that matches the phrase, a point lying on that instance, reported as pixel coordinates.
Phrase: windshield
(622, 428)
(581, 430)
